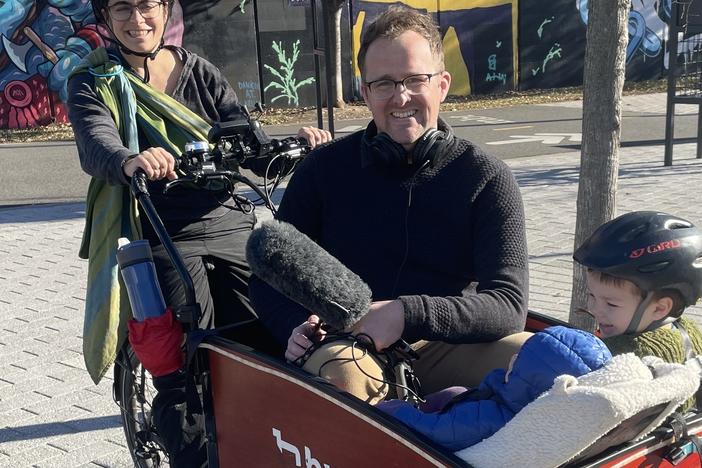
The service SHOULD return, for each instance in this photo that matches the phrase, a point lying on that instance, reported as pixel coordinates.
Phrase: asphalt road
(50, 172)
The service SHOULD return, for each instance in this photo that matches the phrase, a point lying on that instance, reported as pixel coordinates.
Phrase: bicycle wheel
(134, 393)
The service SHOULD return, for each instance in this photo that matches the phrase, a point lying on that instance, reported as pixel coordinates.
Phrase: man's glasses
(122, 11)
(413, 84)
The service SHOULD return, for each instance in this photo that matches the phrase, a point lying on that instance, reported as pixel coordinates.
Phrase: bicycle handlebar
(234, 142)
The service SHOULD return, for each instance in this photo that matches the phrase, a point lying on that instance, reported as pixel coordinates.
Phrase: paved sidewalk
(549, 188)
(51, 414)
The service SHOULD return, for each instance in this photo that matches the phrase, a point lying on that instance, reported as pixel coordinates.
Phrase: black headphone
(389, 153)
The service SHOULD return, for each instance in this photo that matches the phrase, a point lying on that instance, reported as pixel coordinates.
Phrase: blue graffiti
(501, 77)
(647, 25)
(63, 46)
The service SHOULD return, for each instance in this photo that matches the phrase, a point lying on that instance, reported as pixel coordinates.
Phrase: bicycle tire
(134, 393)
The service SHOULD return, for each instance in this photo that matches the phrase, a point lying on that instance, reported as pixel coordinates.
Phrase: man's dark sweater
(448, 240)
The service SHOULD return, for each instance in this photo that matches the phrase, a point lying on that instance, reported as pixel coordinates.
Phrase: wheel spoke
(134, 395)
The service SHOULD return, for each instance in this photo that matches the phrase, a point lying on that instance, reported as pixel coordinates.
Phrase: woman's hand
(157, 163)
(302, 337)
(314, 136)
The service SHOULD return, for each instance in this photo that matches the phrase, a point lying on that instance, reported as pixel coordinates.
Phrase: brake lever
(188, 182)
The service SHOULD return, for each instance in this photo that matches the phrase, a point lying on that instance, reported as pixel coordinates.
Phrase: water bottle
(139, 275)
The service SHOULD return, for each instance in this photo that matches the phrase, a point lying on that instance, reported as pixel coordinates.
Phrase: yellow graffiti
(460, 82)
(432, 6)
(357, 29)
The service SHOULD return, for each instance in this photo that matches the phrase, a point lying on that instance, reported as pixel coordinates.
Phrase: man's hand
(314, 136)
(157, 163)
(302, 337)
(384, 323)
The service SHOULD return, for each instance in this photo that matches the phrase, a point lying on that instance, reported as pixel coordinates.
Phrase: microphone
(299, 268)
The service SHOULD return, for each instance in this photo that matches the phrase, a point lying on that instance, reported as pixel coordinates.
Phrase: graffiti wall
(480, 39)
(552, 41)
(288, 72)
(552, 44)
(286, 36)
(264, 52)
(494, 45)
(41, 41)
(265, 47)
(224, 32)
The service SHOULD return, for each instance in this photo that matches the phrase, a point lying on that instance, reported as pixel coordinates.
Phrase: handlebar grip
(138, 182)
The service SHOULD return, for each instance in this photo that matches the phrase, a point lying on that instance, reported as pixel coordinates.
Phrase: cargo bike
(263, 412)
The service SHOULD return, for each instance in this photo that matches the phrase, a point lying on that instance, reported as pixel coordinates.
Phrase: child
(643, 269)
(476, 414)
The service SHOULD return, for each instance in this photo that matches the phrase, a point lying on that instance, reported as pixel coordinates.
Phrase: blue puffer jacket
(479, 414)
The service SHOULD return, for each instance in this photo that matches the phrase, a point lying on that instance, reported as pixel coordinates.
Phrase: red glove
(157, 343)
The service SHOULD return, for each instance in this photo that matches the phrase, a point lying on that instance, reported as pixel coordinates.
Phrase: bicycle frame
(189, 313)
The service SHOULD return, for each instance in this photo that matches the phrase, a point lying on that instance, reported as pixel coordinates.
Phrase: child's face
(613, 305)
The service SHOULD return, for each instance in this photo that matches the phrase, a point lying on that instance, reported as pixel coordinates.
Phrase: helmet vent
(632, 234)
(677, 224)
(653, 267)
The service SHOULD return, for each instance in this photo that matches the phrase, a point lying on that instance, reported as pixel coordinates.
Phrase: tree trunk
(603, 80)
(333, 11)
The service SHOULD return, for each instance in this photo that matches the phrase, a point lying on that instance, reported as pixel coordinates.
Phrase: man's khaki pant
(440, 365)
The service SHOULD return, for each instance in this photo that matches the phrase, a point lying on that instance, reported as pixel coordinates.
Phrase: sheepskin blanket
(576, 412)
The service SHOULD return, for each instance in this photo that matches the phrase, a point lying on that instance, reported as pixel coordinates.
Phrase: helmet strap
(661, 322)
(147, 55)
(638, 314)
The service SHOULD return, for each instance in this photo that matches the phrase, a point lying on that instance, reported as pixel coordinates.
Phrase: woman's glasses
(122, 11)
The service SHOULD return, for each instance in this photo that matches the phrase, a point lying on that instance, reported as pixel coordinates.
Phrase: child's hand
(303, 336)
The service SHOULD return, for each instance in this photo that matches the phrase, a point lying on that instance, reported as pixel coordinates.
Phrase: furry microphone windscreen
(299, 268)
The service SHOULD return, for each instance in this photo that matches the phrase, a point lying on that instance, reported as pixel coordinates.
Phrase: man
(431, 223)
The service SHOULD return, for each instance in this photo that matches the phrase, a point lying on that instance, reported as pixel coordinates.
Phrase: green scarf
(111, 210)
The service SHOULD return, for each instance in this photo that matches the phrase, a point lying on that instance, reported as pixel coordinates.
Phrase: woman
(134, 107)
(208, 228)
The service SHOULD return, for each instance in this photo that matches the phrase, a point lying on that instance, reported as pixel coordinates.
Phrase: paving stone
(81, 456)
(29, 458)
(119, 459)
